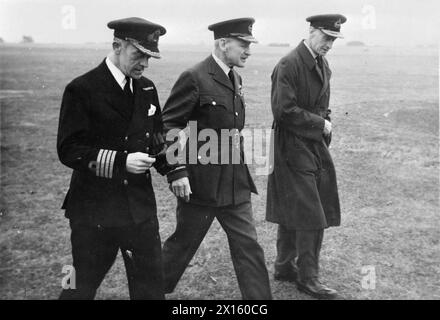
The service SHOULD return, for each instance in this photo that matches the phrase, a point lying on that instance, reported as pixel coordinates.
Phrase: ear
(222, 44)
(117, 47)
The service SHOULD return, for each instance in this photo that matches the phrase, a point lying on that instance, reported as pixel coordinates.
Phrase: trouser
(193, 222)
(302, 245)
(94, 250)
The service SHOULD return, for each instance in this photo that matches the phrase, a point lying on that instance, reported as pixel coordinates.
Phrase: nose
(144, 62)
(330, 44)
(247, 51)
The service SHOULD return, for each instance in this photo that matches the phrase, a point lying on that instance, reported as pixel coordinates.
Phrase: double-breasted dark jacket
(98, 127)
(204, 94)
(302, 190)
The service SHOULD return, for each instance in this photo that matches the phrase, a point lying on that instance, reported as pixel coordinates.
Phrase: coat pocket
(215, 112)
(204, 181)
(300, 155)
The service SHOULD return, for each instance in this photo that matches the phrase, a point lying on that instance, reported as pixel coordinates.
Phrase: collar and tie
(127, 89)
(129, 96)
(231, 76)
(319, 61)
(320, 66)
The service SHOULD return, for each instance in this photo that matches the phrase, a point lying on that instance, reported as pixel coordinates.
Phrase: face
(320, 42)
(236, 52)
(132, 62)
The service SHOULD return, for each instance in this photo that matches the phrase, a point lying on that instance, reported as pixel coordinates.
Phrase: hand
(181, 188)
(138, 162)
(327, 127)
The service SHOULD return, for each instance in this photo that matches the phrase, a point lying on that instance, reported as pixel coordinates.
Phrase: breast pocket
(216, 113)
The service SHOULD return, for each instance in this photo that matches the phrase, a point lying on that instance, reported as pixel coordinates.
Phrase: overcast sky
(376, 22)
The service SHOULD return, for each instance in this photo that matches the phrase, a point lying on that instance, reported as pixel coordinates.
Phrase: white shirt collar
(314, 55)
(222, 65)
(117, 74)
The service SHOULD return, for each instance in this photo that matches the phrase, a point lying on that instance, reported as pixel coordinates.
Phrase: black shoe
(290, 276)
(316, 289)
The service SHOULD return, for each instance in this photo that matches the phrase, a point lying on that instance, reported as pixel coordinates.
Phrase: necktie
(319, 66)
(127, 89)
(231, 77)
(130, 97)
(319, 62)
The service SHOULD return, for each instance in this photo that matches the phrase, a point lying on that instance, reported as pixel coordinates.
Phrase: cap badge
(338, 24)
(250, 28)
(154, 37)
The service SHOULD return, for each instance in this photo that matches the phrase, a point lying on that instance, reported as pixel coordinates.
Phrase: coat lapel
(140, 109)
(318, 71)
(114, 95)
(325, 81)
(218, 75)
(309, 60)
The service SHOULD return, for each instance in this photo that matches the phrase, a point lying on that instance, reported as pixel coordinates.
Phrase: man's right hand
(138, 162)
(327, 127)
(181, 188)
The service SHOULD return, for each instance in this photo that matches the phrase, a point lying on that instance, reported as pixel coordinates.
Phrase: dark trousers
(303, 246)
(94, 250)
(193, 222)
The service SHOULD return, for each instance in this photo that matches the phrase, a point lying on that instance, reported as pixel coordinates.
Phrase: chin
(136, 76)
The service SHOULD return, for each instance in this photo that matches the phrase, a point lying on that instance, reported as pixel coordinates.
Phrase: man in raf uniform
(110, 134)
(210, 93)
(302, 195)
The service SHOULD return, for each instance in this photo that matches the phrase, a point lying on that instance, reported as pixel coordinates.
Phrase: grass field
(385, 148)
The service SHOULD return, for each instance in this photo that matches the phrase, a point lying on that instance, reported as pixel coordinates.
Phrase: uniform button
(125, 151)
(214, 103)
(125, 182)
(147, 134)
(147, 149)
(236, 114)
(126, 138)
(199, 157)
(147, 175)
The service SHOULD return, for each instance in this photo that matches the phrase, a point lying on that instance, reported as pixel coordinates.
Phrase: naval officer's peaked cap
(143, 34)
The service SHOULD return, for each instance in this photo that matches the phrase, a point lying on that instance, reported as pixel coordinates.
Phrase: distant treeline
(277, 44)
(355, 44)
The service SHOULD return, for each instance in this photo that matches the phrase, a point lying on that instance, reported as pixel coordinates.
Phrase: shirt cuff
(177, 173)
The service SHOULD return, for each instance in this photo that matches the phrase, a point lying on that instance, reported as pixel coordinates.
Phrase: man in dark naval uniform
(302, 195)
(110, 134)
(210, 94)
